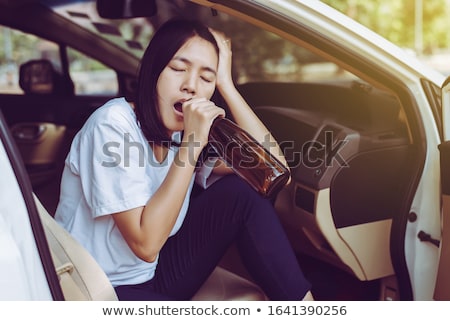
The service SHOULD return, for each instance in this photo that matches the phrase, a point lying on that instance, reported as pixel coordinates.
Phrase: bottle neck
(222, 123)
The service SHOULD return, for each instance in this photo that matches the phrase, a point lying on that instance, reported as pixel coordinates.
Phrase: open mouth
(178, 107)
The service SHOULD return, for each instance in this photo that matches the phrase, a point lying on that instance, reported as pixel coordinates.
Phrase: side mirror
(37, 77)
(123, 9)
(40, 77)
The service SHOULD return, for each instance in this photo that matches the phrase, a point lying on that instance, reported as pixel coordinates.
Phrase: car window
(17, 48)
(260, 55)
(279, 60)
(90, 76)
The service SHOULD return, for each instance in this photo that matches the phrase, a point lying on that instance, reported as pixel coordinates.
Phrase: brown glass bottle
(248, 158)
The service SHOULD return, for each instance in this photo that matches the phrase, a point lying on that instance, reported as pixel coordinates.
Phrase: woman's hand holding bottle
(199, 114)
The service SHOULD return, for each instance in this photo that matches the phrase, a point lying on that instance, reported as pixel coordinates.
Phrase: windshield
(258, 55)
(277, 59)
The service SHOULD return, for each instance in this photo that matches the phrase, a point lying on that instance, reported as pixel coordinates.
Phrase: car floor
(332, 284)
(329, 283)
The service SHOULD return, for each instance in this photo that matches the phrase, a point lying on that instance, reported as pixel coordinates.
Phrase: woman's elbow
(147, 257)
(145, 254)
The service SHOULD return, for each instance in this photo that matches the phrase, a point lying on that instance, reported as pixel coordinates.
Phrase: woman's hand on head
(224, 77)
(199, 114)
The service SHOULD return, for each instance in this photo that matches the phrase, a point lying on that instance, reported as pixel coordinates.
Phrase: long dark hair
(167, 40)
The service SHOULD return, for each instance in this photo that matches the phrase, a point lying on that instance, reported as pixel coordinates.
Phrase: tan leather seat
(81, 278)
(223, 285)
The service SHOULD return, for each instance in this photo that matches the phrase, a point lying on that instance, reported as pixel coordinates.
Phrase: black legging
(226, 212)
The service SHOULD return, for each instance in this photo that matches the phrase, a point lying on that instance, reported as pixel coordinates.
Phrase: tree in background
(396, 21)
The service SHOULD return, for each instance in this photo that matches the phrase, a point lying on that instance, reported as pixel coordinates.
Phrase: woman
(126, 186)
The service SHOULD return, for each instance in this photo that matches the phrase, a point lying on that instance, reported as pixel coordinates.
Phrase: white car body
(21, 273)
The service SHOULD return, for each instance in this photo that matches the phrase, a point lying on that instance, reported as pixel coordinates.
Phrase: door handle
(425, 237)
(28, 132)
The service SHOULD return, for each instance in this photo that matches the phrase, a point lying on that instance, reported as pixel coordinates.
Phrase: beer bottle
(247, 157)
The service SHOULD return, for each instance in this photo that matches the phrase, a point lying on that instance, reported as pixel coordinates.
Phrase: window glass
(259, 55)
(90, 76)
(17, 48)
(290, 63)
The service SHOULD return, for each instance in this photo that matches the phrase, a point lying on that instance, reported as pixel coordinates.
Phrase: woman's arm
(241, 111)
(147, 228)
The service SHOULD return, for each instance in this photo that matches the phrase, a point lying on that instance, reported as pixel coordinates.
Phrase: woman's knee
(235, 190)
(233, 199)
(232, 187)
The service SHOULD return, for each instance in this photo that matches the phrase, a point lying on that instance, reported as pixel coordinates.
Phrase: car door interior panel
(43, 121)
(41, 146)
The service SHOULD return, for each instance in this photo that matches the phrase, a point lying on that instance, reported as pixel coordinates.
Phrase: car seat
(81, 278)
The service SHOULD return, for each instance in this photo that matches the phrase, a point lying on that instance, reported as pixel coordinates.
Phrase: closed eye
(178, 69)
(208, 80)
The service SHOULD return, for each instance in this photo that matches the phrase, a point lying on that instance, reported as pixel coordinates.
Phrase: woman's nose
(189, 84)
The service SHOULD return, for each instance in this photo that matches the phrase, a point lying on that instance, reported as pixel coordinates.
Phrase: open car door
(26, 267)
(442, 288)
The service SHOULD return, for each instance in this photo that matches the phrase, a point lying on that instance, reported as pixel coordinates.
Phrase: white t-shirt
(111, 168)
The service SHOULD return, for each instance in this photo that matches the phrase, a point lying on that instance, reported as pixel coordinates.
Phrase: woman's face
(191, 73)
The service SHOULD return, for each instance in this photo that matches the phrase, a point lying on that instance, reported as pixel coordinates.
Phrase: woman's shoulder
(115, 112)
(115, 109)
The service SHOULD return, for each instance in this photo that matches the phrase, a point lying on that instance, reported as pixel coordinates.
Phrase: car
(363, 124)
